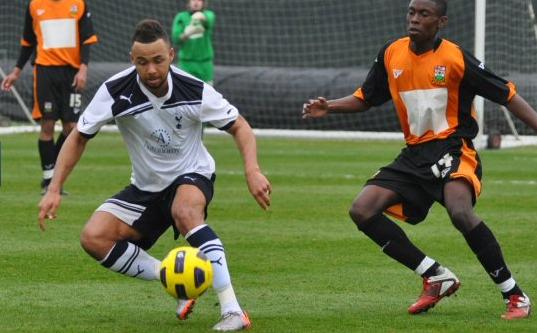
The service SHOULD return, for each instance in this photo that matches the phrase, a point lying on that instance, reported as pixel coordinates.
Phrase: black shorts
(420, 172)
(54, 95)
(150, 212)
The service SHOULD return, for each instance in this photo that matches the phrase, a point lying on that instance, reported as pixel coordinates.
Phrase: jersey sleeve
(485, 83)
(29, 39)
(375, 91)
(178, 26)
(210, 19)
(97, 113)
(216, 110)
(85, 27)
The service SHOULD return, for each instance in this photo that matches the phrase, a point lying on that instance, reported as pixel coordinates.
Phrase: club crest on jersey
(439, 75)
(74, 10)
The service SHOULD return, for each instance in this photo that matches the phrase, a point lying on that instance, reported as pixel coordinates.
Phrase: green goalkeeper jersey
(197, 47)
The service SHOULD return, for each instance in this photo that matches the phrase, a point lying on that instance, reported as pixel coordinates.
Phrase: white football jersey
(163, 135)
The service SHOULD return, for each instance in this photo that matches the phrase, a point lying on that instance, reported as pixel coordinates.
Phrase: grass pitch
(301, 267)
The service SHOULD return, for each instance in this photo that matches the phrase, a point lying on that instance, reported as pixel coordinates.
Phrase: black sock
(485, 246)
(514, 291)
(47, 153)
(59, 142)
(393, 241)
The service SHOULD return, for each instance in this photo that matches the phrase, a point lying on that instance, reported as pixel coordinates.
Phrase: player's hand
(10, 80)
(79, 82)
(259, 187)
(193, 29)
(47, 207)
(199, 16)
(315, 108)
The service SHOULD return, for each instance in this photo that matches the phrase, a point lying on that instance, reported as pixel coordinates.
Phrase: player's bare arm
(258, 184)
(523, 111)
(69, 156)
(320, 107)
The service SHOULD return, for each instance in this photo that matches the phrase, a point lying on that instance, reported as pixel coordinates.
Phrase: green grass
(302, 267)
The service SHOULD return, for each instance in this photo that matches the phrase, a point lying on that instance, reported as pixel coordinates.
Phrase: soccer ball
(186, 273)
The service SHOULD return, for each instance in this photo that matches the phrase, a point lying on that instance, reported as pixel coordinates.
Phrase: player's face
(423, 20)
(152, 61)
(195, 5)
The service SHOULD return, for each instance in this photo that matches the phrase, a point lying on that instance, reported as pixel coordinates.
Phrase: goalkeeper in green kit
(192, 31)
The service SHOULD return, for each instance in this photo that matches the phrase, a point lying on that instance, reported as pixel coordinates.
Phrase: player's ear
(172, 54)
(443, 22)
(132, 57)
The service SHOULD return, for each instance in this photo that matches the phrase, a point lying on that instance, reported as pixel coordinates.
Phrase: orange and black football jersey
(57, 29)
(432, 92)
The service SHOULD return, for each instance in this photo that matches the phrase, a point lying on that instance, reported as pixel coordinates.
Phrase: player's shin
(47, 154)
(204, 238)
(393, 241)
(129, 259)
(487, 250)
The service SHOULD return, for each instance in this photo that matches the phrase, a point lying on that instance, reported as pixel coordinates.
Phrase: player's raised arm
(69, 156)
(258, 184)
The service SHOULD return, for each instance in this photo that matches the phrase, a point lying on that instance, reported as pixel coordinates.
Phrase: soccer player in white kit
(159, 111)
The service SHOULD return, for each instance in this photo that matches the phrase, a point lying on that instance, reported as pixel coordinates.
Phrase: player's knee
(463, 219)
(360, 214)
(185, 217)
(67, 128)
(94, 243)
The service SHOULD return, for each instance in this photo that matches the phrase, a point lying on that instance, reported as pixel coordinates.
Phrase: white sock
(128, 259)
(204, 238)
(47, 174)
(425, 264)
(507, 285)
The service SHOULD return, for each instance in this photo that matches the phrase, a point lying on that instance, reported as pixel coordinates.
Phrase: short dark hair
(148, 31)
(442, 7)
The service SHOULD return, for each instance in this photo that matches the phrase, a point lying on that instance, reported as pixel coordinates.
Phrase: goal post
(479, 53)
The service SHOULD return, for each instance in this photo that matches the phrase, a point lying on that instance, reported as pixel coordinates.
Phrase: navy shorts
(150, 212)
(420, 172)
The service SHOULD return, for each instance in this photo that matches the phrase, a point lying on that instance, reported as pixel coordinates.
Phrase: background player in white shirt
(159, 111)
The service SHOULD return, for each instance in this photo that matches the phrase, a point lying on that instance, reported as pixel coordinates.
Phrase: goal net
(272, 55)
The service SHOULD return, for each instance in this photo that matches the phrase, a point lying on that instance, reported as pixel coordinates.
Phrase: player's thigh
(458, 200)
(411, 203)
(188, 208)
(193, 193)
(371, 201)
(102, 231)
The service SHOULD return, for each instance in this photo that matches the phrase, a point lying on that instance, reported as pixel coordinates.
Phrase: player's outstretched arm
(523, 111)
(320, 107)
(258, 184)
(69, 156)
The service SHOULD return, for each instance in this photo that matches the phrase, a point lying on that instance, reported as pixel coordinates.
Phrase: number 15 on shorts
(75, 102)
